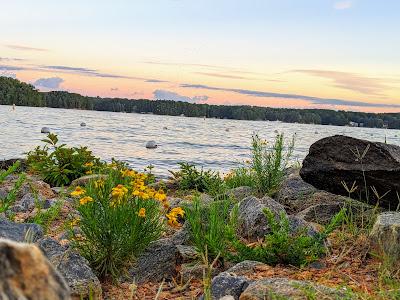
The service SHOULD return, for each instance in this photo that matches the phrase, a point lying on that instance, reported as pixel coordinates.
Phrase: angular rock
(293, 192)
(84, 180)
(182, 236)
(26, 274)
(5, 164)
(239, 193)
(320, 213)
(20, 232)
(284, 288)
(385, 234)
(74, 268)
(187, 253)
(194, 271)
(245, 267)
(298, 224)
(334, 159)
(226, 284)
(27, 203)
(158, 262)
(252, 220)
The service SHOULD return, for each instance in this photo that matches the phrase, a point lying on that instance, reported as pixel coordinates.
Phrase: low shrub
(210, 227)
(282, 246)
(190, 177)
(119, 217)
(10, 198)
(266, 168)
(59, 164)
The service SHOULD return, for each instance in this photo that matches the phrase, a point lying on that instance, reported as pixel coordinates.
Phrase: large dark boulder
(338, 158)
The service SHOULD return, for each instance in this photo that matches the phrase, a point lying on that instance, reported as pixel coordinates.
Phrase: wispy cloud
(169, 95)
(340, 5)
(114, 89)
(350, 81)
(156, 81)
(11, 59)
(25, 48)
(49, 83)
(310, 99)
(11, 68)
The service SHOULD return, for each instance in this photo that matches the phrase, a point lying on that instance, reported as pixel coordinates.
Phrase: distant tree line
(12, 91)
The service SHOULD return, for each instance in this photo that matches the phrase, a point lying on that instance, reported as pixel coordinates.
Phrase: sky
(277, 53)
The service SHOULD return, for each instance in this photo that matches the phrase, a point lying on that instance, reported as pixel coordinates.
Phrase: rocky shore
(37, 260)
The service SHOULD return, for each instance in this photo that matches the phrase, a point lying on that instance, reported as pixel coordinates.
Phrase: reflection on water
(212, 143)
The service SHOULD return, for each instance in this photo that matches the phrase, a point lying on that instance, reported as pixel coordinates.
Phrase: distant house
(353, 124)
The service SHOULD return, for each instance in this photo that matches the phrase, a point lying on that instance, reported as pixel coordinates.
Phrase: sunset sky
(280, 53)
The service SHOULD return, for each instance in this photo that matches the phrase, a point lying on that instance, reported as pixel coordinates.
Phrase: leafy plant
(281, 246)
(269, 164)
(11, 196)
(191, 178)
(242, 176)
(210, 226)
(119, 217)
(46, 217)
(59, 164)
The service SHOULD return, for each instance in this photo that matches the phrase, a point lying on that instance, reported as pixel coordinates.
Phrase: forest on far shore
(13, 91)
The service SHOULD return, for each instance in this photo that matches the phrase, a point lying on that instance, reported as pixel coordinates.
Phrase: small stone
(83, 124)
(245, 267)
(385, 234)
(187, 253)
(226, 284)
(151, 145)
(45, 130)
(84, 180)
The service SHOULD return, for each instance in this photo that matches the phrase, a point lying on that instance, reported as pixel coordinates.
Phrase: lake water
(212, 143)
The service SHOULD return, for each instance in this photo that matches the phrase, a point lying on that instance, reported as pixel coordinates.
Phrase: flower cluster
(174, 215)
(78, 192)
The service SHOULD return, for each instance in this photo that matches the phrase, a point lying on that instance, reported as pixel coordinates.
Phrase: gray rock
(19, 232)
(298, 224)
(284, 288)
(385, 234)
(226, 284)
(187, 253)
(151, 145)
(5, 164)
(239, 193)
(83, 124)
(320, 213)
(227, 298)
(27, 203)
(252, 220)
(158, 262)
(74, 268)
(182, 236)
(192, 271)
(293, 192)
(245, 267)
(26, 274)
(206, 199)
(45, 130)
(84, 180)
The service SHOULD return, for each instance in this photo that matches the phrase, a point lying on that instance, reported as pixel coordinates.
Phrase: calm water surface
(212, 143)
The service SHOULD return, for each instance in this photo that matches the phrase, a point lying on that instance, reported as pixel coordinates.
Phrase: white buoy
(151, 145)
(45, 130)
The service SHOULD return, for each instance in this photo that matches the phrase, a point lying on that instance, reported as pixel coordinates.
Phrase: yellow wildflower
(142, 213)
(75, 222)
(119, 191)
(88, 172)
(88, 164)
(85, 200)
(99, 183)
(128, 173)
(78, 192)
